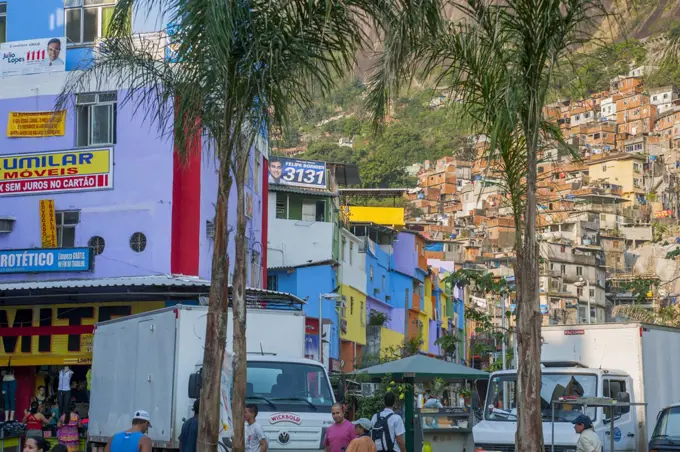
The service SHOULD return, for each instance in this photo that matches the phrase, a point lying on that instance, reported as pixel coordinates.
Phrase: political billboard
(33, 56)
(297, 173)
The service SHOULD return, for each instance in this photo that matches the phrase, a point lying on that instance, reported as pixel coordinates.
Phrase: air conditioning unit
(368, 389)
(6, 225)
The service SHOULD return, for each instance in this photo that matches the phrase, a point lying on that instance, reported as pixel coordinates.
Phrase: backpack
(381, 432)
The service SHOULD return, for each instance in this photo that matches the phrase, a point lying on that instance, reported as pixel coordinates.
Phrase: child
(255, 439)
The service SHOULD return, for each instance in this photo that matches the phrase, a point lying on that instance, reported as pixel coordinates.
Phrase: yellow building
(388, 216)
(624, 170)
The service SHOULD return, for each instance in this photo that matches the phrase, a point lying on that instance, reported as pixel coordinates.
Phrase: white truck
(146, 361)
(632, 361)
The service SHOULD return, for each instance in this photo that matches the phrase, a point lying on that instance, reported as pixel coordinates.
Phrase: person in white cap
(363, 442)
(134, 438)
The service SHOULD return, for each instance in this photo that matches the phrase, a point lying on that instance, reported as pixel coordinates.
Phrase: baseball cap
(143, 415)
(364, 423)
(582, 419)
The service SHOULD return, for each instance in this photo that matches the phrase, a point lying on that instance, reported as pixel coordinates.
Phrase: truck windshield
(281, 386)
(502, 406)
(668, 425)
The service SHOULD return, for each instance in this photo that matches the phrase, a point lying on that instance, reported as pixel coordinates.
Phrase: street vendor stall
(445, 429)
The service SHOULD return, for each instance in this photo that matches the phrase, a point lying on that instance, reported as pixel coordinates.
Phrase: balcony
(294, 242)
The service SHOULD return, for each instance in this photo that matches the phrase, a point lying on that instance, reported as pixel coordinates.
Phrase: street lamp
(581, 283)
(322, 297)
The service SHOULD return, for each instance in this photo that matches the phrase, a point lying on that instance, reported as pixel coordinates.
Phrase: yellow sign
(49, 172)
(36, 124)
(40, 335)
(48, 224)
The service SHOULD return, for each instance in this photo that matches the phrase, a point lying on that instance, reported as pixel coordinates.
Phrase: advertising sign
(54, 172)
(297, 173)
(48, 224)
(46, 260)
(36, 124)
(33, 56)
(663, 213)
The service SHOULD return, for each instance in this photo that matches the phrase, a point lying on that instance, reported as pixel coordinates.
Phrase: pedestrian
(134, 438)
(588, 440)
(341, 433)
(36, 444)
(68, 429)
(255, 439)
(34, 421)
(189, 435)
(388, 428)
(363, 442)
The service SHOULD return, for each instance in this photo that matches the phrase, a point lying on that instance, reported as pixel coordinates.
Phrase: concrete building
(663, 97)
(99, 214)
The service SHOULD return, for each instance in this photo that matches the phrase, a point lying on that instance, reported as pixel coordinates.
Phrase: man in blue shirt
(134, 438)
(189, 435)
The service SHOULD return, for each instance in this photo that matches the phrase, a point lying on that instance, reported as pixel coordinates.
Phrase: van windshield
(280, 386)
(502, 406)
(668, 425)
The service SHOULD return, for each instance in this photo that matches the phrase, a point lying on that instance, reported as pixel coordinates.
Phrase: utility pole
(503, 329)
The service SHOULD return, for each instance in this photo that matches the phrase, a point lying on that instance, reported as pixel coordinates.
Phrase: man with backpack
(388, 428)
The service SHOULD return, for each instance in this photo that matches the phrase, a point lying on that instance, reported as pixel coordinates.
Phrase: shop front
(39, 341)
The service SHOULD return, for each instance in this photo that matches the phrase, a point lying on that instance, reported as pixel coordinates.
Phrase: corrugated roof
(306, 264)
(138, 281)
(302, 191)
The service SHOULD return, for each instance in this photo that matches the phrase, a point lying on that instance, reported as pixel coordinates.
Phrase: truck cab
(496, 431)
(294, 399)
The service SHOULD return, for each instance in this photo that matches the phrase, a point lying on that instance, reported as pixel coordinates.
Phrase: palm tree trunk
(239, 302)
(529, 436)
(216, 328)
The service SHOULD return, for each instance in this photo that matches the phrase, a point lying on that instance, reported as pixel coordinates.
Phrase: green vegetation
(418, 132)
(587, 73)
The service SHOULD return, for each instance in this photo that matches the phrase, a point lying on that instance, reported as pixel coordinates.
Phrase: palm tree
(238, 67)
(500, 61)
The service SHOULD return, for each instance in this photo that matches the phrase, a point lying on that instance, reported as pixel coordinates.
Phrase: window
(362, 314)
(138, 242)
(636, 167)
(87, 20)
(668, 424)
(604, 168)
(370, 272)
(67, 220)
(563, 249)
(280, 208)
(579, 271)
(272, 282)
(97, 244)
(592, 293)
(351, 251)
(351, 305)
(3, 22)
(579, 291)
(96, 119)
(596, 136)
(563, 269)
(255, 269)
(342, 249)
(636, 183)
(383, 283)
(611, 389)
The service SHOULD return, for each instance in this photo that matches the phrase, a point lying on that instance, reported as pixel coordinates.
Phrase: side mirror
(623, 397)
(195, 385)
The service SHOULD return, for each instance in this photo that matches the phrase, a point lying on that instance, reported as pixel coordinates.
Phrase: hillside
(425, 125)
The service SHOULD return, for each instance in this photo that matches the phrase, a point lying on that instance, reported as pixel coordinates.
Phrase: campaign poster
(297, 173)
(33, 56)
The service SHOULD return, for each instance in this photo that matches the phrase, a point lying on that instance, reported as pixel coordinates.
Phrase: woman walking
(68, 429)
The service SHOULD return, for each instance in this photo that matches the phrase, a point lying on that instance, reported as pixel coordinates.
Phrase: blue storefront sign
(46, 260)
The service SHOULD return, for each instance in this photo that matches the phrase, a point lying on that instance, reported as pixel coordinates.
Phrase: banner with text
(46, 260)
(54, 172)
(33, 56)
(36, 124)
(48, 223)
(297, 173)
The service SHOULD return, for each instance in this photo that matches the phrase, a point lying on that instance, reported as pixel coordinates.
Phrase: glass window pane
(68, 239)
(99, 2)
(82, 127)
(101, 132)
(72, 3)
(3, 29)
(73, 25)
(71, 217)
(91, 24)
(107, 15)
(3, 8)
